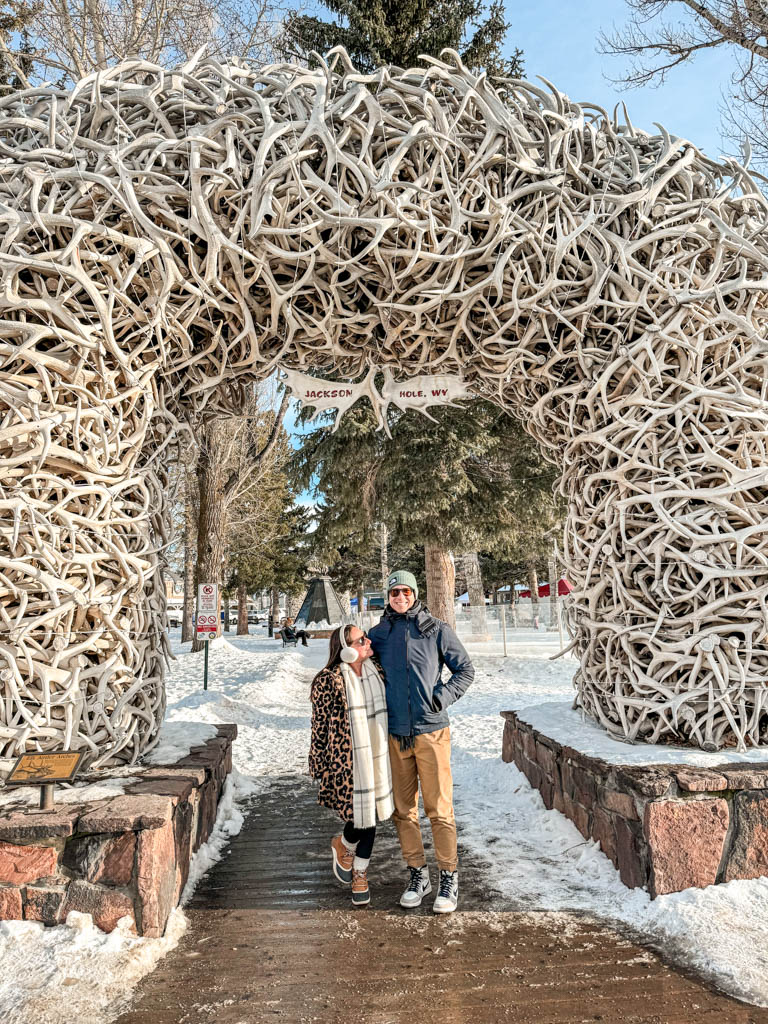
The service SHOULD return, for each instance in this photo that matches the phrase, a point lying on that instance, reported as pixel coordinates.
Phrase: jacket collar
(425, 622)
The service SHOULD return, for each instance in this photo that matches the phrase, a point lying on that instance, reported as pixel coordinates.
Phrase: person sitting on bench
(291, 635)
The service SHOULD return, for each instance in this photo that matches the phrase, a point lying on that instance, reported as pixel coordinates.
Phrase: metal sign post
(207, 619)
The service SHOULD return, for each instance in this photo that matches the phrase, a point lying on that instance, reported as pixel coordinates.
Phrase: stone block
(10, 903)
(183, 823)
(585, 787)
(630, 853)
(578, 815)
(558, 800)
(619, 803)
(44, 903)
(579, 784)
(748, 855)
(700, 780)
(529, 745)
(596, 766)
(227, 730)
(546, 758)
(647, 780)
(207, 808)
(32, 826)
(99, 857)
(508, 743)
(603, 831)
(127, 814)
(106, 906)
(176, 789)
(155, 878)
(746, 776)
(20, 864)
(190, 774)
(547, 791)
(533, 773)
(685, 842)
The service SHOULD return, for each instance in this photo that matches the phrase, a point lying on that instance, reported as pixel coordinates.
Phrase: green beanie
(401, 578)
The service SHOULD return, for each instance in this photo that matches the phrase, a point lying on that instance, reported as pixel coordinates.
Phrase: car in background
(253, 618)
(175, 616)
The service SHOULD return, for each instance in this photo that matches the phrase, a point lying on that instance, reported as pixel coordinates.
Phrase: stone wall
(125, 856)
(665, 827)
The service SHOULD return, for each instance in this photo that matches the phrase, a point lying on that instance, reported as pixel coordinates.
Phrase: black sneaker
(418, 887)
(448, 897)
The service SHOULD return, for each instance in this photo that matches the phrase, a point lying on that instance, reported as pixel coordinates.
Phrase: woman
(349, 753)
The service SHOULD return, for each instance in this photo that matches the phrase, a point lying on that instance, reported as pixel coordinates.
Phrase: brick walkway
(272, 937)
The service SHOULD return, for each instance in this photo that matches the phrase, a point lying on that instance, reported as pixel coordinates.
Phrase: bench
(288, 643)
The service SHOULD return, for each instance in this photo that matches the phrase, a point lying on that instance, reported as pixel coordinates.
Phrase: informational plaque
(207, 618)
(44, 769)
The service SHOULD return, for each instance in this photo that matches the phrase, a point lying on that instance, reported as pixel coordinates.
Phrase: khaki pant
(427, 763)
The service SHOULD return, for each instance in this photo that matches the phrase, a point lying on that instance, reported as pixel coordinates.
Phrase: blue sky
(559, 42)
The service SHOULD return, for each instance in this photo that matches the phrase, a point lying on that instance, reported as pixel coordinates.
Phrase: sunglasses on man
(405, 591)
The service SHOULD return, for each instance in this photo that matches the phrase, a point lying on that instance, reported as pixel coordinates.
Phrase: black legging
(364, 838)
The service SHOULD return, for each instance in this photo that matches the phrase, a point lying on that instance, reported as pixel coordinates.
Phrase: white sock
(361, 863)
(350, 846)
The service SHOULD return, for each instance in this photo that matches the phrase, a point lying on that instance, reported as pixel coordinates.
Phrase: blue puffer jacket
(412, 649)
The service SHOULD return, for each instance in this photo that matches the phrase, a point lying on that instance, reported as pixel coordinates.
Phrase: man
(412, 647)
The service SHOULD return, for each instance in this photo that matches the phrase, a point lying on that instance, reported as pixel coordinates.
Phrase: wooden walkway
(272, 937)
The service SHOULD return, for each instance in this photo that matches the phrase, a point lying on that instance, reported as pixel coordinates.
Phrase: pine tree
(15, 46)
(377, 32)
(472, 481)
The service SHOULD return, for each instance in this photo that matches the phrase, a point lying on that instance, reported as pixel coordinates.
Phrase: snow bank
(177, 739)
(558, 720)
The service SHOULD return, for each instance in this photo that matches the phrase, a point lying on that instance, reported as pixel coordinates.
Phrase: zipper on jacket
(408, 671)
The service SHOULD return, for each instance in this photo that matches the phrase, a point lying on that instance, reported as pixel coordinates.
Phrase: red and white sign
(207, 618)
(419, 393)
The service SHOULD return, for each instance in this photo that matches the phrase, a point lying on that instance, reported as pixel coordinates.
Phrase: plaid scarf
(372, 777)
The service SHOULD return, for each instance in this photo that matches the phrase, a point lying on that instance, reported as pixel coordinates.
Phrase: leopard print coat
(330, 751)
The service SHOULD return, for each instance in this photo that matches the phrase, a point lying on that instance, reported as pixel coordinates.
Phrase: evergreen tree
(15, 46)
(473, 480)
(376, 32)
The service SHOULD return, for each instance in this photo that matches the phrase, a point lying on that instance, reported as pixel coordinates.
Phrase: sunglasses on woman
(360, 640)
(405, 591)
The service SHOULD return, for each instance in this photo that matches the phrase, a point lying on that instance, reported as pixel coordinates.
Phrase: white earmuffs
(348, 654)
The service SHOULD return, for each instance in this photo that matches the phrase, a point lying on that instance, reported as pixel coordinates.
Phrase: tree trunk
(212, 520)
(360, 599)
(290, 603)
(275, 608)
(476, 596)
(553, 574)
(190, 597)
(227, 609)
(242, 611)
(384, 537)
(533, 584)
(441, 576)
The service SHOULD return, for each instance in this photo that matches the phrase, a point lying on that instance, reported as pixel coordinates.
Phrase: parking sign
(206, 620)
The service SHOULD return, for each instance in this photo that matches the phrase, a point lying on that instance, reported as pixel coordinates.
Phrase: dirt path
(272, 937)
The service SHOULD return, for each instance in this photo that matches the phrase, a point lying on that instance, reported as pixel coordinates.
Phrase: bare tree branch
(656, 45)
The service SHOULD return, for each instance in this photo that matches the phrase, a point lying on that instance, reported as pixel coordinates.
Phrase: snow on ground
(534, 857)
(559, 720)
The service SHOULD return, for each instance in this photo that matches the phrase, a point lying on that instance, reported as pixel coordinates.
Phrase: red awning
(563, 588)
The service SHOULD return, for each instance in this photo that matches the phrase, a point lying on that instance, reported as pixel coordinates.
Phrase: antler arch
(171, 236)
